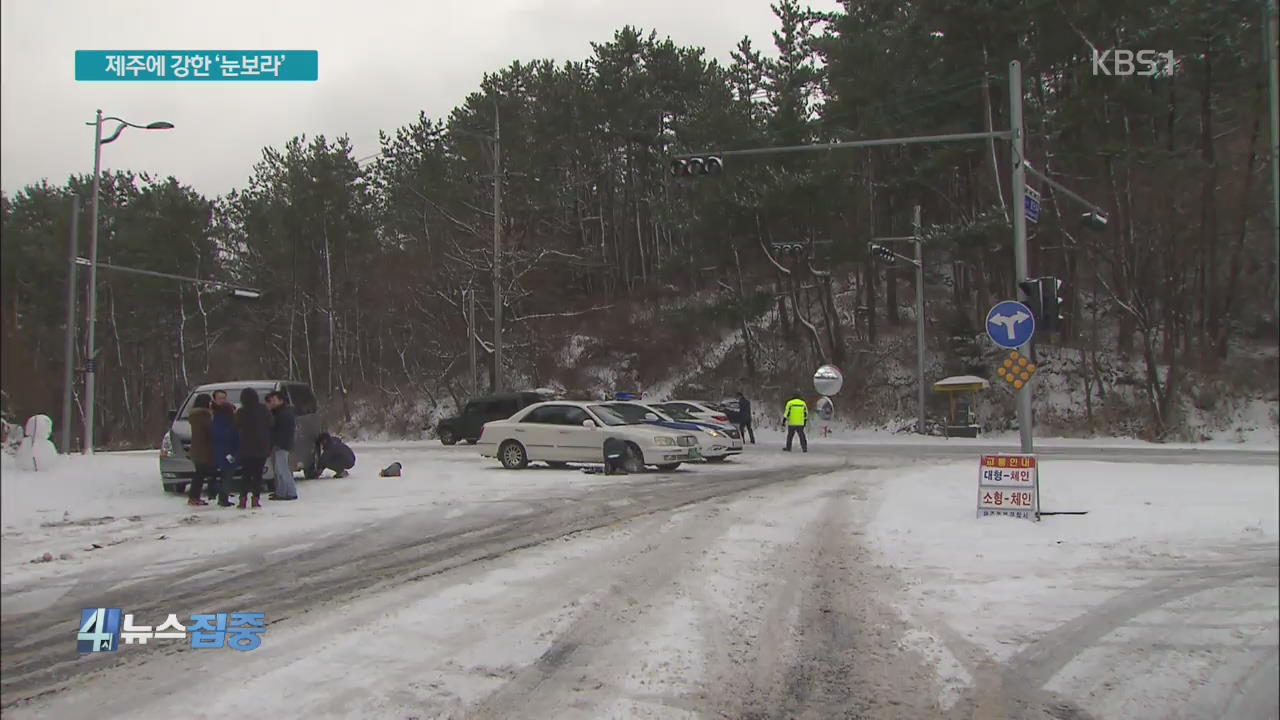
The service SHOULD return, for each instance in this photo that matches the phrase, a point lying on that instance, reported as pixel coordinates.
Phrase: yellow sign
(1016, 370)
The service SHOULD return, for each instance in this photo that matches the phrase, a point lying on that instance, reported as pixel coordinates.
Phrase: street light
(90, 353)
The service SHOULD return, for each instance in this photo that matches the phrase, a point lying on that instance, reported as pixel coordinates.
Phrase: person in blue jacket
(226, 445)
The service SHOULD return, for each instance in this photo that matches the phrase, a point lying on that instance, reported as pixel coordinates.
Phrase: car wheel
(668, 467)
(556, 464)
(633, 459)
(717, 458)
(310, 472)
(513, 456)
(448, 437)
(472, 441)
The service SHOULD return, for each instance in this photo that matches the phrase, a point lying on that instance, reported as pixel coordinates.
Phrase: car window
(475, 407)
(575, 415)
(677, 413)
(609, 417)
(633, 413)
(302, 399)
(505, 408)
(233, 396)
(547, 415)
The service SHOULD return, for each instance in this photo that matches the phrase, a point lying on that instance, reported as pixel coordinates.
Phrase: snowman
(37, 451)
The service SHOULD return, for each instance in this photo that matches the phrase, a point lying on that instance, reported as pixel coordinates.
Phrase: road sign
(1008, 486)
(1010, 324)
(1016, 370)
(1031, 203)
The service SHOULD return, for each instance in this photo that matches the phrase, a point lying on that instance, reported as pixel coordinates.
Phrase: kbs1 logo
(101, 630)
(1127, 62)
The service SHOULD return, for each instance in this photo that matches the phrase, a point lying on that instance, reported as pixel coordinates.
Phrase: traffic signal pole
(1014, 135)
(1019, 185)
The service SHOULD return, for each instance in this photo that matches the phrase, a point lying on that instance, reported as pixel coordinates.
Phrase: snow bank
(1003, 581)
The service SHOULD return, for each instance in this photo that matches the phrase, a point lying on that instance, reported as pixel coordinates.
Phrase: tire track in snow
(36, 657)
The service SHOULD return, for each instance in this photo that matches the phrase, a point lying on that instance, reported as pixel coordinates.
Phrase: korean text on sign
(190, 65)
(1008, 486)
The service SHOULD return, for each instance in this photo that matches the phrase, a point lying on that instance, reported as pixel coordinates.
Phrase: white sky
(381, 61)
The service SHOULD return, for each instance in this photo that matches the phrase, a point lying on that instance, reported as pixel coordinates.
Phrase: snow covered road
(850, 583)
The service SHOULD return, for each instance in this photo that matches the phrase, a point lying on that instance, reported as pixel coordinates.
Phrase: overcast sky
(381, 61)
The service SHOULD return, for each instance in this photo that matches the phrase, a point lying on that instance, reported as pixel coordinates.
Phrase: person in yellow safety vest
(796, 416)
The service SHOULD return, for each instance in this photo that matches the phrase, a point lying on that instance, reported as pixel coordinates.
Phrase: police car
(717, 441)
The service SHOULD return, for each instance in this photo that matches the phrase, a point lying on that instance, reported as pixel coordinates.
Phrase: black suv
(481, 410)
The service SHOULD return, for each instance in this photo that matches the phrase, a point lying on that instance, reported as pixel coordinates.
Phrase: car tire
(472, 441)
(557, 465)
(717, 458)
(448, 437)
(310, 472)
(633, 459)
(513, 456)
(668, 467)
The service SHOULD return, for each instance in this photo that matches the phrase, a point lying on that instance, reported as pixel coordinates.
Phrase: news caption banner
(102, 629)
(1008, 485)
(197, 65)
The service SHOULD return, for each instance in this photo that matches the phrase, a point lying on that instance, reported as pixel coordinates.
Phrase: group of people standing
(224, 439)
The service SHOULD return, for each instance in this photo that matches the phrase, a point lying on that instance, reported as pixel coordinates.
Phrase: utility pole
(69, 341)
(471, 338)
(91, 357)
(920, 399)
(1019, 219)
(889, 256)
(1272, 38)
(497, 251)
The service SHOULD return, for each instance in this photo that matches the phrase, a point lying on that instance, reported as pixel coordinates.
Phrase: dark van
(176, 468)
(478, 411)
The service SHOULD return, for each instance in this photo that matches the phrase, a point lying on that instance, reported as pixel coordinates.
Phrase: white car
(717, 440)
(565, 431)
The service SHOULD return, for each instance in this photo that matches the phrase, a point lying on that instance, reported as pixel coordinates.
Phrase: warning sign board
(1008, 485)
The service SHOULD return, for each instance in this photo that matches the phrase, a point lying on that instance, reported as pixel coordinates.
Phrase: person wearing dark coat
(201, 451)
(284, 422)
(333, 454)
(744, 418)
(253, 421)
(226, 446)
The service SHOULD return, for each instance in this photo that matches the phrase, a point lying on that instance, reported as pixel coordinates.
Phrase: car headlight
(715, 433)
(664, 441)
(166, 446)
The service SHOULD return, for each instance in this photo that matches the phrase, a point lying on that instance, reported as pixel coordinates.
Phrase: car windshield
(678, 413)
(610, 417)
(233, 395)
(632, 413)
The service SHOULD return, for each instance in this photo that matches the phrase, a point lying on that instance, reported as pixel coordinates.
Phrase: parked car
(176, 468)
(700, 409)
(478, 411)
(717, 441)
(564, 431)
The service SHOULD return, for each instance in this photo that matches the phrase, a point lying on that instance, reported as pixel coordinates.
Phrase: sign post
(1031, 203)
(1009, 486)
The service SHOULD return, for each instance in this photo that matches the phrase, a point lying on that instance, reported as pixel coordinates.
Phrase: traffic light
(884, 254)
(1031, 293)
(1094, 220)
(1052, 303)
(788, 250)
(688, 167)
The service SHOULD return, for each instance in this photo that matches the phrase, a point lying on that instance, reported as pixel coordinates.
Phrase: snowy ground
(812, 586)
(1162, 599)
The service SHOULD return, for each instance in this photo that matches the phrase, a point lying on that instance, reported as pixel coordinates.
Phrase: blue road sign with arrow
(1010, 324)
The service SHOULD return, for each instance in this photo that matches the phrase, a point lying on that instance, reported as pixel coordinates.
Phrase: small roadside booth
(962, 395)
